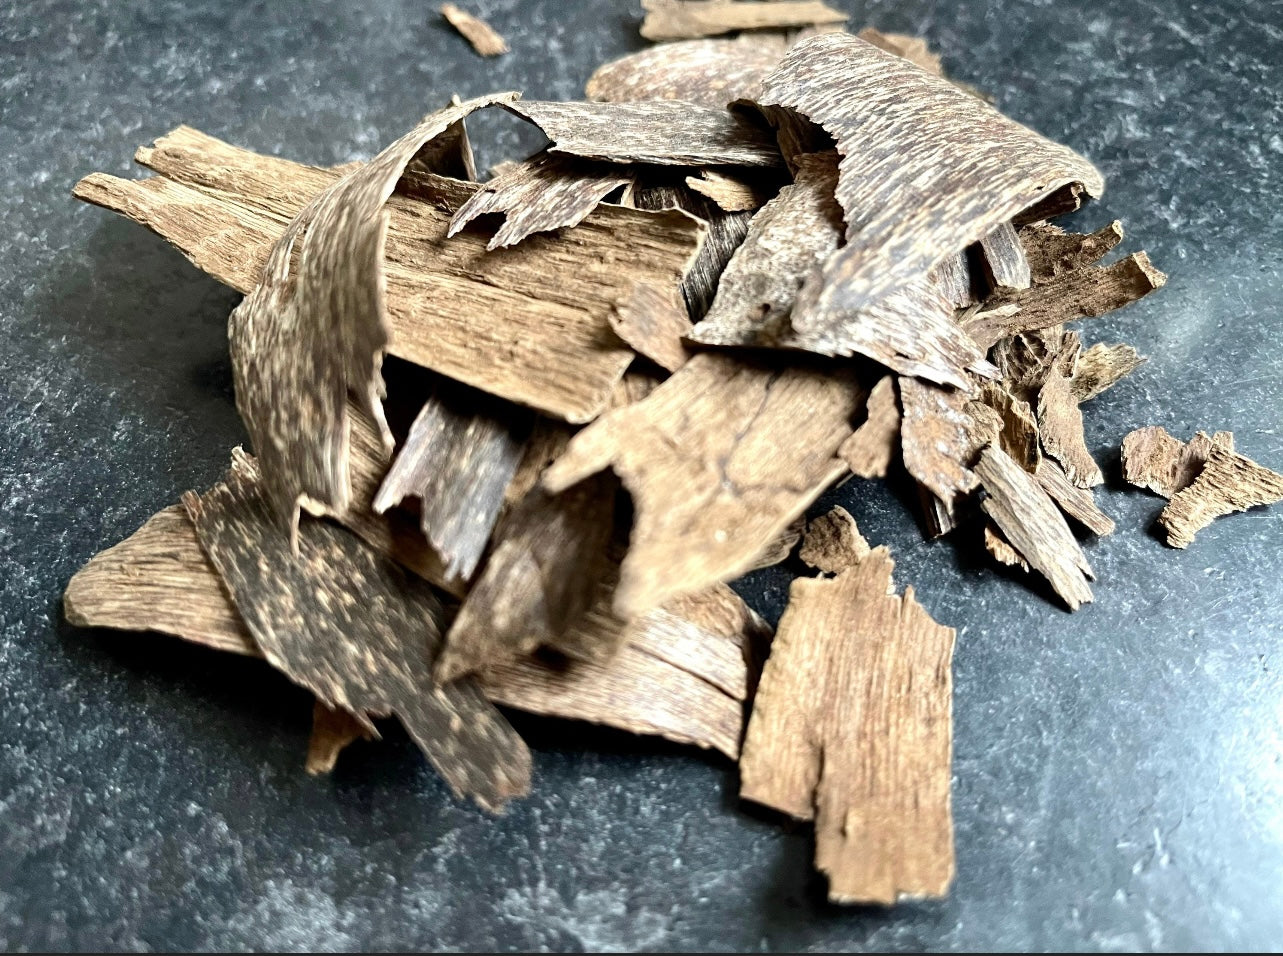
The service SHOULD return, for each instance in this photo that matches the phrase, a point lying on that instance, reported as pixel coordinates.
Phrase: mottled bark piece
(546, 342)
(852, 727)
(1154, 459)
(654, 321)
(1229, 482)
(1003, 255)
(546, 192)
(1082, 294)
(1051, 252)
(1060, 423)
(691, 19)
(483, 37)
(706, 72)
(461, 453)
(941, 432)
(1102, 367)
(926, 170)
(332, 730)
(1018, 436)
(1073, 501)
(1000, 548)
(833, 542)
(356, 631)
(871, 447)
(656, 131)
(719, 460)
(733, 193)
(914, 49)
(1034, 526)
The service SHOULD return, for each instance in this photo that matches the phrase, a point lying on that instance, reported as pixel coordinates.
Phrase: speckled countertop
(1118, 779)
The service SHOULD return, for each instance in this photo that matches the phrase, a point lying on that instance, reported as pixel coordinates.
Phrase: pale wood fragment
(1154, 459)
(872, 446)
(833, 542)
(1060, 423)
(654, 320)
(1073, 501)
(1001, 550)
(732, 193)
(1003, 255)
(1018, 436)
(332, 730)
(851, 727)
(1229, 482)
(781, 547)
(690, 19)
(914, 49)
(483, 37)
(941, 433)
(1101, 367)
(705, 72)
(953, 277)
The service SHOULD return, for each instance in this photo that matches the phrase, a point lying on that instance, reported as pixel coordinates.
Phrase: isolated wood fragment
(690, 19)
(833, 542)
(953, 277)
(914, 49)
(1102, 367)
(664, 133)
(1074, 501)
(941, 433)
(476, 31)
(355, 630)
(1082, 294)
(851, 727)
(1003, 255)
(546, 343)
(731, 193)
(1018, 436)
(547, 192)
(872, 446)
(654, 321)
(1034, 526)
(1001, 550)
(706, 72)
(1229, 482)
(927, 169)
(1154, 459)
(332, 730)
(1060, 423)
(1051, 252)
(461, 453)
(719, 460)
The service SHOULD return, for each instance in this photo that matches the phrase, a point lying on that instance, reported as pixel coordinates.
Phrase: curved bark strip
(303, 340)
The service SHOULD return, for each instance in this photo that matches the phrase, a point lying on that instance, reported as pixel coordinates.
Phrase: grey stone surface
(1118, 780)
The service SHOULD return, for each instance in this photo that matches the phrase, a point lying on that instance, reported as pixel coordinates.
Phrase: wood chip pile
(745, 269)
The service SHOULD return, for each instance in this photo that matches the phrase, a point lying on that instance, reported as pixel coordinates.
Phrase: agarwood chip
(953, 277)
(1229, 482)
(546, 342)
(1060, 202)
(927, 169)
(1051, 252)
(914, 49)
(1082, 294)
(332, 730)
(1001, 550)
(305, 339)
(654, 320)
(781, 547)
(547, 192)
(706, 72)
(356, 631)
(1034, 526)
(690, 19)
(869, 450)
(833, 542)
(1073, 501)
(940, 436)
(1018, 436)
(458, 459)
(733, 193)
(665, 133)
(851, 727)
(476, 31)
(1154, 459)
(719, 460)
(1003, 255)
(1060, 423)
(1101, 367)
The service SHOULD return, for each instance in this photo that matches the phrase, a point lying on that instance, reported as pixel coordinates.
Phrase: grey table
(1118, 781)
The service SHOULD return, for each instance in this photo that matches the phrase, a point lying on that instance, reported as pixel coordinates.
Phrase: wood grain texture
(457, 460)
(1018, 435)
(941, 433)
(719, 460)
(1003, 255)
(1051, 251)
(1102, 367)
(705, 72)
(655, 323)
(833, 542)
(1073, 501)
(547, 192)
(355, 630)
(483, 37)
(1154, 459)
(871, 447)
(1060, 422)
(547, 343)
(1034, 526)
(953, 277)
(733, 193)
(926, 168)
(852, 727)
(691, 19)
(1000, 548)
(1229, 482)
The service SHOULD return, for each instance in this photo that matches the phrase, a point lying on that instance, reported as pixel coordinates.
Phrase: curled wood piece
(352, 628)
(1018, 436)
(914, 49)
(1229, 482)
(732, 193)
(1154, 459)
(719, 460)
(1026, 516)
(665, 133)
(1081, 294)
(705, 72)
(690, 19)
(1073, 501)
(869, 450)
(332, 730)
(852, 727)
(304, 340)
(926, 169)
(1001, 550)
(541, 194)
(654, 320)
(833, 542)
(458, 459)
(1060, 423)
(1102, 367)
(1003, 255)
(1051, 252)
(483, 37)
(941, 432)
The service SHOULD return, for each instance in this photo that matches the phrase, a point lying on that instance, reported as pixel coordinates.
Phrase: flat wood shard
(941, 433)
(352, 628)
(851, 727)
(689, 19)
(1102, 367)
(871, 447)
(705, 72)
(1003, 254)
(1074, 501)
(914, 49)
(833, 542)
(1060, 422)
(1229, 482)
(483, 37)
